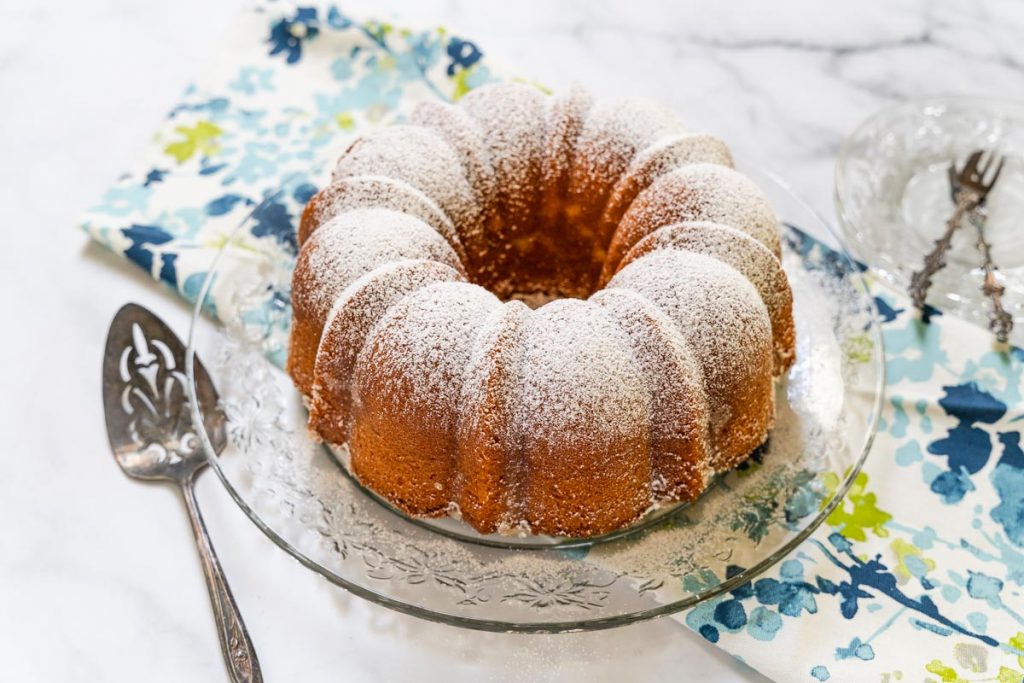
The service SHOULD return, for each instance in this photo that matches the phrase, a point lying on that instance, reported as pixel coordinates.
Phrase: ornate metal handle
(935, 260)
(239, 654)
(999, 319)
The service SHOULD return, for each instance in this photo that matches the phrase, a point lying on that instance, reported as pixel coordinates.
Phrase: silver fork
(999, 321)
(969, 188)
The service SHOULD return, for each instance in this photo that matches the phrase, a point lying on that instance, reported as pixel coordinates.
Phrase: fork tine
(986, 163)
(995, 176)
(971, 165)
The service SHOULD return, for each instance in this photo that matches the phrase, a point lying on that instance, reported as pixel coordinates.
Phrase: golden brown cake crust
(349, 245)
(356, 311)
(661, 313)
(746, 255)
(696, 192)
(490, 475)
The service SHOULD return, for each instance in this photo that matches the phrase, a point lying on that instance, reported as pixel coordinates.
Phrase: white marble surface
(98, 579)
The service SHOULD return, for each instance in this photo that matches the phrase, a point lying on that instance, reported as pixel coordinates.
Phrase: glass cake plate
(298, 494)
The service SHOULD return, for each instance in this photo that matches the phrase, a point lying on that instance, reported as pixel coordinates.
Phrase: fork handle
(235, 644)
(935, 260)
(999, 321)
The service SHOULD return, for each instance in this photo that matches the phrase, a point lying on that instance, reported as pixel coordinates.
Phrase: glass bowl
(295, 491)
(892, 196)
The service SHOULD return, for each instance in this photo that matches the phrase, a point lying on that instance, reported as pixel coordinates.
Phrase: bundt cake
(659, 314)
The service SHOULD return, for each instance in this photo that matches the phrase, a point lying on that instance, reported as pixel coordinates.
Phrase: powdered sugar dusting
(513, 116)
(354, 315)
(718, 310)
(579, 379)
(679, 402)
(746, 255)
(565, 123)
(583, 411)
(466, 138)
(420, 157)
(377, 191)
(612, 135)
(657, 159)
(705, 192)
(367, 299)
(501, 334)
(723, 319)
(423, 344)
(355, 242)
(679, 149)
(492, 469)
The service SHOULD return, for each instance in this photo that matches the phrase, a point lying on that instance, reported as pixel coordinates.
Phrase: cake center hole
(536, 299)
(539, 267)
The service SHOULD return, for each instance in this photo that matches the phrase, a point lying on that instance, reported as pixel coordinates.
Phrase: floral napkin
(917, 576)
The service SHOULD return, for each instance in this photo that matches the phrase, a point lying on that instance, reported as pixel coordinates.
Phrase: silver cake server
(145, 400)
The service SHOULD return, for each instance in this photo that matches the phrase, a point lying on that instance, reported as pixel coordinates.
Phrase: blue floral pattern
(918, 574)
(259, 132)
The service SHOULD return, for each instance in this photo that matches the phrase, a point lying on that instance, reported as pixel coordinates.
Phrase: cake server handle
(235, 644)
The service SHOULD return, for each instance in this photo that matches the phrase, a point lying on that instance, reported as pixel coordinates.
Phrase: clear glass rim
(881, 267)
(581, 624)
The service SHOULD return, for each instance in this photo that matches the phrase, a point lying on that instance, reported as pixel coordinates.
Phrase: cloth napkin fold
(918, 575)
